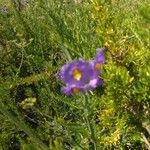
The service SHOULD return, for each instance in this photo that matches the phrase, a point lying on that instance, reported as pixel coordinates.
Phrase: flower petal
(66, 90)
(100, 56)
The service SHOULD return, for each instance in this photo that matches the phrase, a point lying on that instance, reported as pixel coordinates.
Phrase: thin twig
(146, 141)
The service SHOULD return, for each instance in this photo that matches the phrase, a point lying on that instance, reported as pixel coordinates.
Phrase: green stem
(90, 123)
(20, 124)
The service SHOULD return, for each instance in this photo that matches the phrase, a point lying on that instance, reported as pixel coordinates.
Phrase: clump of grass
(38, 38)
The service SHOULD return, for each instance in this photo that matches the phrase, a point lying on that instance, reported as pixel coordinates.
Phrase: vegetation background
(37, 38)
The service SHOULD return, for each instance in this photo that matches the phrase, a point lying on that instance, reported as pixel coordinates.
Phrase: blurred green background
(37, 38)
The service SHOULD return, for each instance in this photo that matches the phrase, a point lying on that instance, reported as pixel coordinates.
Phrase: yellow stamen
(76, 90)
(98, 66)
(76, 74)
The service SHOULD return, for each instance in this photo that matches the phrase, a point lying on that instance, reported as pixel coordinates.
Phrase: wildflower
(79, 76)
(98, 60)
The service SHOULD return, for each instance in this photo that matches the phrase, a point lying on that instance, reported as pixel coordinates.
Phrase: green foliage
(38, 38)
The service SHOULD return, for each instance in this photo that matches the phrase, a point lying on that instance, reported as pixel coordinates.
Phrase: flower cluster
(81, 75)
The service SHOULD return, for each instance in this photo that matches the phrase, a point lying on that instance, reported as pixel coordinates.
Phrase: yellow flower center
(76, 74)
(98, 66)
(76, 90)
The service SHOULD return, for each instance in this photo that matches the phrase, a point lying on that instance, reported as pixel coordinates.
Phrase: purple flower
(98, 60)
(79, 76)
(74, 89)
(100, 56)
